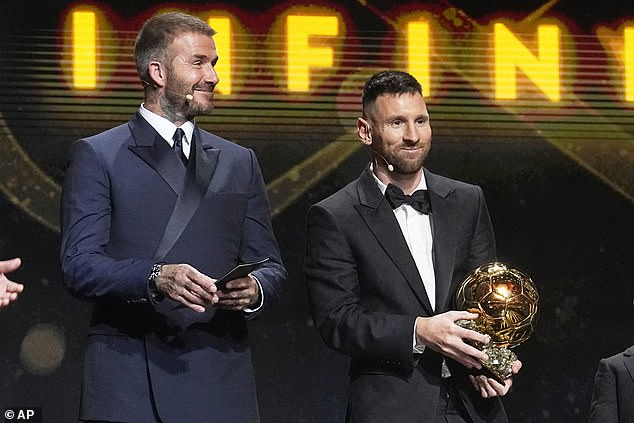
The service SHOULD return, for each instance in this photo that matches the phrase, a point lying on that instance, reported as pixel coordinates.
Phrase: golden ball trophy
(507, 305)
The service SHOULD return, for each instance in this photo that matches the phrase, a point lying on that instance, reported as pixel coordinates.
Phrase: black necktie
(419, 200)
(178, 145)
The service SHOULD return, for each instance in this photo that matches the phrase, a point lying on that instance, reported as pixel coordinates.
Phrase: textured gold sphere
(506, 300)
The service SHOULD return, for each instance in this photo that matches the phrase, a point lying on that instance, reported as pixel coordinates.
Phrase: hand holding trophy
(507, 303)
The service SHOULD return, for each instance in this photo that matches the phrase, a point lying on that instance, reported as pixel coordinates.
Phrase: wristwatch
(155, 294)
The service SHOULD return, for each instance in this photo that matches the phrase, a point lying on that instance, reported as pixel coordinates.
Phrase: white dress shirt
(416, 228)
(166, 129)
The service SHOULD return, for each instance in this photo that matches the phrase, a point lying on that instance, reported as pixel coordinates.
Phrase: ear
(364, 131)
(157, 73)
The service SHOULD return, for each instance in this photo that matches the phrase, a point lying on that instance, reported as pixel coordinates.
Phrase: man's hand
(239, 294)
(443, 335)
(185, 284)
(9, 290)
(489, 387)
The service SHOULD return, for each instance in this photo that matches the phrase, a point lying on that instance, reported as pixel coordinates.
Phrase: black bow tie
(419, 200)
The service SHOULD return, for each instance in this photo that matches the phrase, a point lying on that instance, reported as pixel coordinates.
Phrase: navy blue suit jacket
(127, 203)
(365, 293)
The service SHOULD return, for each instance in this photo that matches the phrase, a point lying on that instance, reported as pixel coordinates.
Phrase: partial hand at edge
(9, 290)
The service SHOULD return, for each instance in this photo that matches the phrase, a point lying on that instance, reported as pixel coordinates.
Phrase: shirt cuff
(256, 307)
(417, 347)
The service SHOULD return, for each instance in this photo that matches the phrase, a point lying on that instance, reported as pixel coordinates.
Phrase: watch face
(155, 294)
(155, 273)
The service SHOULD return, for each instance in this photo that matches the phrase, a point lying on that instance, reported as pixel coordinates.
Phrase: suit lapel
(201, 166)
(205, 158)
(443, 218)
(628, 360)
(379, 218)
(189, 184)
(156, 152)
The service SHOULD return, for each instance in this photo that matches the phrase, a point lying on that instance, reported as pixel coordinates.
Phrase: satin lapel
(443, 218)
(202, 164)
(628, 360)
(206, 159)
(156, 152)
(379, 217)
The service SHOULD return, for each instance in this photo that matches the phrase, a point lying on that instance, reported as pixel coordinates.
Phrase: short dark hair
(388, 82)
(158, 33)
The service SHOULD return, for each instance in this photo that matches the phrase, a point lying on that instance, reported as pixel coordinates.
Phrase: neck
(158, 105)
(406, 182)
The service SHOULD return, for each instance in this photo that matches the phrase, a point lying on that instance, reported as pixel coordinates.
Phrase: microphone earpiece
(388, 164)
(368, 131)
(189, 97)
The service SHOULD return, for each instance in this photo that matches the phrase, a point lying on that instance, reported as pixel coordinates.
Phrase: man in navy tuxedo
(153, 211)
(384, 257)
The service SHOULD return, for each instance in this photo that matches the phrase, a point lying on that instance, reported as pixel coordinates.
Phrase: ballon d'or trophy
(507, 305)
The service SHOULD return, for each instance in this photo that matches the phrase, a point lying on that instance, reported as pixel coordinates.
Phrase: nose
(211, 76)
(410, 133)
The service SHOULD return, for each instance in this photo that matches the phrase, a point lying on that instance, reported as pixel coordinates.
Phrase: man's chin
(407, 168)
(406, 172)
(198, 109)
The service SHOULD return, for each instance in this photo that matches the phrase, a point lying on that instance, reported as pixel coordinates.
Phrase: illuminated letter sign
(418, 53)
(84, 50)
(222, 26)
(628, 54)
(301, 55)
(511, 53)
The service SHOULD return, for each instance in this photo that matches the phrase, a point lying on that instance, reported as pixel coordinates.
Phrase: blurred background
(532, 100)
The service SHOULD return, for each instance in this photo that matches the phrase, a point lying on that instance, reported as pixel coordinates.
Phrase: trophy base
(501, 359)
(500, 363)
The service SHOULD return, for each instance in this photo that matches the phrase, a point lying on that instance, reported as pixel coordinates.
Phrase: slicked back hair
(158, 33)
(388, 82)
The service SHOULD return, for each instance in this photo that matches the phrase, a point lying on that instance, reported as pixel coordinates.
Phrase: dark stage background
(557, 174)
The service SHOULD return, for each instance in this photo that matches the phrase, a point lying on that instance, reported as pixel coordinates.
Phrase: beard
(407, 166)
(177, 107)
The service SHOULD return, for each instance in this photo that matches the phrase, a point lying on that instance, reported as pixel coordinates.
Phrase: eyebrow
(204, 57)
(402, 117)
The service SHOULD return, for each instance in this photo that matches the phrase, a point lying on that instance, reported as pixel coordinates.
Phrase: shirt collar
(164, 127)
(421, 185)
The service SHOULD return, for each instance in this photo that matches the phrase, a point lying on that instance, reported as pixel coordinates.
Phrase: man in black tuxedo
(614, 389)
(612, 399)
(383, 263)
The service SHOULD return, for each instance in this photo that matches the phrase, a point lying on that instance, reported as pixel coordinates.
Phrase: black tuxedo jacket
(128, 202)
(613, 397)
(365, 293)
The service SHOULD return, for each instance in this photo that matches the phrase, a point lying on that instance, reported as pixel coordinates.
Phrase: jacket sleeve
(334, 296)
(259, 242)
(603, 406)
(87, 269)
